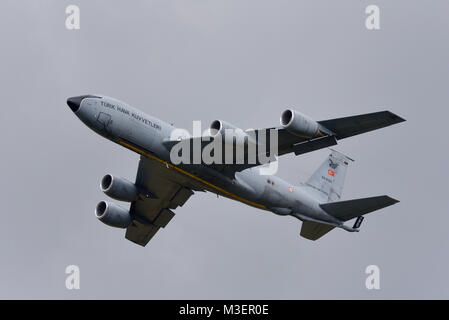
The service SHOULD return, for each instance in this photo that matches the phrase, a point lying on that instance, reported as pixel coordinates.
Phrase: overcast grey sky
(243, 62)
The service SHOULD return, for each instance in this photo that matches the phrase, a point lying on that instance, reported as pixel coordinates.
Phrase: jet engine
(113, 215)
(119, 188)
(228, 132)
(299, 124)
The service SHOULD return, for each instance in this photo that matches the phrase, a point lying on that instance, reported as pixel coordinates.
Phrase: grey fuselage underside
(144, 134)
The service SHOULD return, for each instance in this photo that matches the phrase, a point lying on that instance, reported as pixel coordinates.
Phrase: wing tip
(394, 117)
(391, 200)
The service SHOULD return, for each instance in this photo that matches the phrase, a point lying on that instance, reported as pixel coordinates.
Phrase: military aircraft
(161, 186)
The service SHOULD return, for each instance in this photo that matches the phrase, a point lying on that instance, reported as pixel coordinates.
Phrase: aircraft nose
(75, 102)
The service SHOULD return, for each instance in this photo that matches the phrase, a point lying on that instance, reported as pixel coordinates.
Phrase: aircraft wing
(165, 189)
(288, 142)
(339, 128)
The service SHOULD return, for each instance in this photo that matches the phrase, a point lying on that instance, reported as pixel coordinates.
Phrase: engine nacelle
(119, 188)
(112, 215)
(228, 132)
(299, 124)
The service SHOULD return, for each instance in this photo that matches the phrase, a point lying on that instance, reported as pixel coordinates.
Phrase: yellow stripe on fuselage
(192, 176)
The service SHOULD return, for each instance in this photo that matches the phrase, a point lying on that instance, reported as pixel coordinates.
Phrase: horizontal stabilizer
(314, 230)
(347, 210)
(351, 126)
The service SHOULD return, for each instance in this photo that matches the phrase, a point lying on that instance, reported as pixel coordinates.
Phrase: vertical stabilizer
(327, 182)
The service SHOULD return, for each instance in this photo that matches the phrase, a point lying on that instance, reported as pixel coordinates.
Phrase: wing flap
(314, 144)
(180, 198)
(140, 233)
(163, 218)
